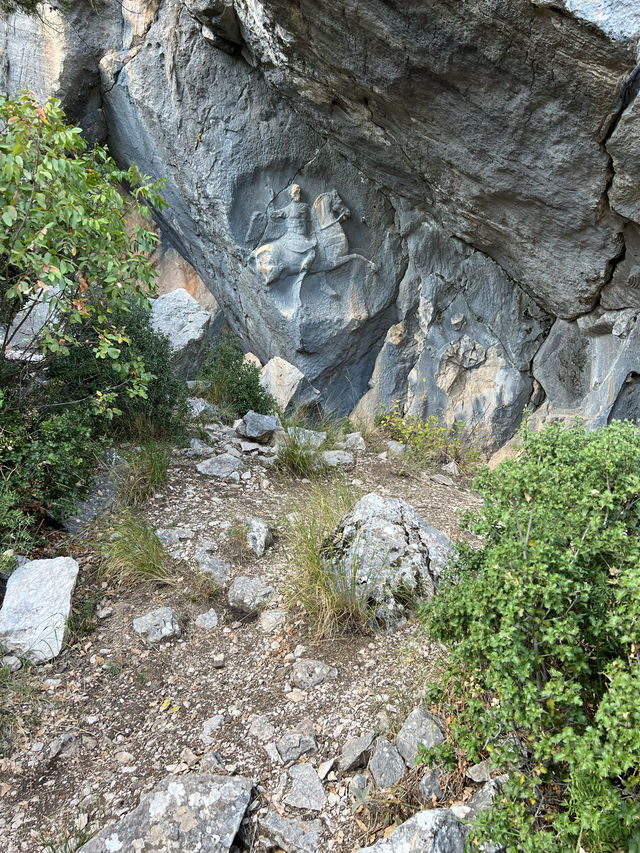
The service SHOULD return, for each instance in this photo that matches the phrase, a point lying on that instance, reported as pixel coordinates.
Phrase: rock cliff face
(468, 179)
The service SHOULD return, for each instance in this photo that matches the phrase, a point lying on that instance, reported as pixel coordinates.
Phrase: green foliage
(132, 553)
(331, 598)
(80, 376)
(233, 385)
(429, 442)
(543, 625)
(65, 248)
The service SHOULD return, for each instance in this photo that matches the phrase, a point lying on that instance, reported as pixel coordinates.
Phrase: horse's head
(338, 207)
(330, 208)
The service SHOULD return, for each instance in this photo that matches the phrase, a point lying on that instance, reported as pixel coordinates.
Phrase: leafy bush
(428, 441)
(232, 384)
(331, 599)
(80, 376)
(543, 622)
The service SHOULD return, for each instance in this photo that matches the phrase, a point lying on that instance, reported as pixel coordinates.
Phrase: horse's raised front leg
(346, 258)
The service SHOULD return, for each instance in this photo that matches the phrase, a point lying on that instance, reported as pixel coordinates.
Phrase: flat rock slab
(161, 624)
(170, 536)
(307, 438)
(36, 607)
(334, 458)
(223, 467)
(297, 742)
(292, 836)
(182, 813)
(249, 595)
(217, 568)
(432, 831)
(207, 621)
(306, 792)
(179, 317)
(386, 765)
(419, 728)
(201, 410)
(309, 673)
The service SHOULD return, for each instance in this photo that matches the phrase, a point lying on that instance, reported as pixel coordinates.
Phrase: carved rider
(296, 216)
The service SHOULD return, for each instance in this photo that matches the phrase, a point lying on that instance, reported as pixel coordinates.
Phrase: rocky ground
(113, 714)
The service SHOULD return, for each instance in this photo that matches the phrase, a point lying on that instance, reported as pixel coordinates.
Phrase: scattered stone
(419, 728)
(292, 836)
(261, 728)
(223, 466)
(389, 548)
(179, 317)
(355, 442)
(334, 458)
(431, 831)
(160, 624)
(209, 726)
(356, 752)
(386, 765)
(251, 447)
(201, 410)
(307, 792)
(272, 620)
(233, 451)
(480, 772)
(64, 747)
(12, 663)
(36, 607)
(452, 468)
(430, 787)
(358, 787)
(306, 438)
(249, 595)
(441, 479)
(217, 661)
(297, 742)
(309, 673)
(483, 799)
(287, 385)
(170, 536)
(199, 448)
(259, 536)
(217, 568)
(203, 811)
(324, 767)
(257, 427)
(207, 620)
(395, 450)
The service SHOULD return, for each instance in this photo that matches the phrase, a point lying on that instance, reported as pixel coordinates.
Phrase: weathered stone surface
(103, 491)
(259, 536)
(257, 427)
(36, 606)
(355, 441)
(288, 385)
(224, 466)
(309, 673)
(335, 458)
(356, 752)
(480, 199)
(432, 831)
(197, 811)
(161, 624)
(308, 438)
(386, 766)
(173, 535)
(483, 799)
(215, 567)
(306, 792)
(419, 728)
(272, 620)
(201, 410)
(430, 787)
(180, 318)
(390, 549)
(208, 620)
(292, 836)
(297, 742)
(249, 595)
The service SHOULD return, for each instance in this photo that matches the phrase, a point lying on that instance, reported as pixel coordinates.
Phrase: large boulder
(36, 607)
(178, 316)
(390, 551)
(287, 385)
(193, 812)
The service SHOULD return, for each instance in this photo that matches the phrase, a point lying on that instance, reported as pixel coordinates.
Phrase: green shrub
(232, 384)
(543, 623)
(429, 442)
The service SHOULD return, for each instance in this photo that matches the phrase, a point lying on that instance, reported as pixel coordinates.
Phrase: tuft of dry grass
(132, 553)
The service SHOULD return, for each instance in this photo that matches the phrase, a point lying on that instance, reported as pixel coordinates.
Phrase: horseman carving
(297, 252)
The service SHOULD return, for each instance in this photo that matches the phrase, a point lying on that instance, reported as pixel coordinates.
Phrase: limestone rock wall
(468, 182)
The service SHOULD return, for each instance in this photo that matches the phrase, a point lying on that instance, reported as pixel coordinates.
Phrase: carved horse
(333, 247)
(277, 258)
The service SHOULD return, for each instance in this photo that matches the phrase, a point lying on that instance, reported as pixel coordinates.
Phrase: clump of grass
(317, 581)
(297, 457)
(147, 471)
(19, 705)
(132, 552)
